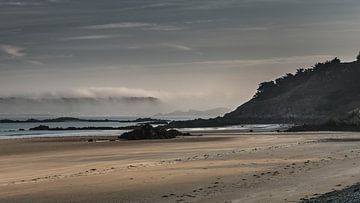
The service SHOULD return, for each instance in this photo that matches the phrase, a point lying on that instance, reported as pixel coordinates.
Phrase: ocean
(11, 130)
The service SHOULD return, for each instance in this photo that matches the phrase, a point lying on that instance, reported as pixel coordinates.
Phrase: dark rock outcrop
(40, 127)
(349, 195)
(149, 132)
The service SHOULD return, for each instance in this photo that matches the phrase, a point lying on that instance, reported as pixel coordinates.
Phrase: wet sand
(226, 167)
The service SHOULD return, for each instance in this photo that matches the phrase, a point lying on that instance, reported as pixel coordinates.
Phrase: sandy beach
(215, 167)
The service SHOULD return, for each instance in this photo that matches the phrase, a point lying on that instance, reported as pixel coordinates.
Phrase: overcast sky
(191, 53)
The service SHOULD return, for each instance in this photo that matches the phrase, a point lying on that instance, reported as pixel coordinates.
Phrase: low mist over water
(82, 106)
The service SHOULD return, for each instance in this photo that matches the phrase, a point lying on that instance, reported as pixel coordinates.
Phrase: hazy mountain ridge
(315, 95)
(196, 113)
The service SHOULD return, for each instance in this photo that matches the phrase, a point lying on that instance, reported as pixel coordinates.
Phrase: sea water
(241, 128)
(12, 130)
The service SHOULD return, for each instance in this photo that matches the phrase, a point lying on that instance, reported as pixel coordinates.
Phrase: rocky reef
(149, 132)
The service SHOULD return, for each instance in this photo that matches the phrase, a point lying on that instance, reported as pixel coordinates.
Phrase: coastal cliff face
(328, 90)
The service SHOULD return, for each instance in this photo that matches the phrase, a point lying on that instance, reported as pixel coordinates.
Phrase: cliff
(325, 91)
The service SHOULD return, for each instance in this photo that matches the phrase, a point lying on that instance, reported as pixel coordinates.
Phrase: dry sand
(228, 167)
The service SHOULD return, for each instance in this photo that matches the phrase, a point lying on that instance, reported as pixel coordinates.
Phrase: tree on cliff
(264, 88)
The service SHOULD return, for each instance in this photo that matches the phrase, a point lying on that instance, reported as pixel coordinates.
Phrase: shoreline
(96, 135)
(45, 131)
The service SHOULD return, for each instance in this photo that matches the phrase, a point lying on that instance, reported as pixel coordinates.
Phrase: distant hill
(196, 113)
(72, 119)
(315, 95)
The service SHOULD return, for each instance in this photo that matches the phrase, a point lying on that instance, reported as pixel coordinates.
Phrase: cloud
(163, 45)
(108, 92)
(86, 101)
(13, 51)
(163, 28)
(19, 3)
(201, 21)
(249, 29)
(254, 62)
(89, 92)
(54, 1)
(34, 62)
(215, 4)
(27, 3)
(118, 25)
(139, 25)
(155, 5)
(178, 47)
(252, 29)
(87, 37)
